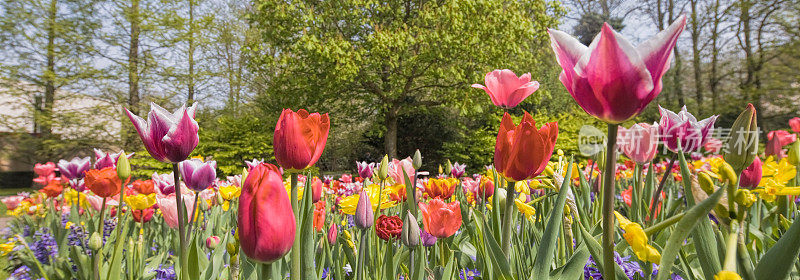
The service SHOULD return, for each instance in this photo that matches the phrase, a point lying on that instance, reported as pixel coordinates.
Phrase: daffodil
(230, 192)
(141, 201)
(637, 239)
(348, 204)
(774, 179)
(523, 207)
(8, 247)
(727, 275)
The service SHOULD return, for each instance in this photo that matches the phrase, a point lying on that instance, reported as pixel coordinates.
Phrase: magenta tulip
(751, 176)
(458, 170)
(45, 169)
(164, 183)
(685, 128)
(332, 234)
(794, 123)
(168, 137)
(776, 140)
(639, 142)
(506, 89)
(198, 175)
(75, 168)
(103, 159)
(266, 221)
(611, 79)
(365, 169)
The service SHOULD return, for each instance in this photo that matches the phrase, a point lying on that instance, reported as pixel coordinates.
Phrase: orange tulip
(319, 216)
(522, 152)
(441, 219)
(103, 182)
(300, 138)
(266, 221)
(53, 189)
(144, 186)
(442, 188)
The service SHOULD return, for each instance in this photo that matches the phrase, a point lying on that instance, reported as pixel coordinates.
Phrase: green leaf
(547, 247)
(703, 237)
(777, 262)
(597, 252)
(116, 259)
(573, 269)
(410, 192)
(307, 243)
(496, 255)
(682, 230)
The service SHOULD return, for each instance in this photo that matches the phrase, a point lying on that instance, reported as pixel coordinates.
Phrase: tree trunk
(50, 73)
(133, 59)
(390, 138)
(676, 74)
(190, 94)
(696, 48)
(713, 79)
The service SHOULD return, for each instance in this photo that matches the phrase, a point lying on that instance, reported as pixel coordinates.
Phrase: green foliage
(231, 139)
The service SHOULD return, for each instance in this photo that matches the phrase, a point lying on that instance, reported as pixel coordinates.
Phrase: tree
(380, 60)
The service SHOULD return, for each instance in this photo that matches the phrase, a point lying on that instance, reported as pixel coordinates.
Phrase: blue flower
(165, 273)
(44, 246)
(469, 274)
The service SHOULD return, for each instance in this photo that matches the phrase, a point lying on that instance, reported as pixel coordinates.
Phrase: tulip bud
(95, 242)
(123, 166)
(745, 197)
(500, 195)
(417, 160)
(705, 181)
(410, 233)
(204, 204)
(751, 176)
(233, 248)
(727, 174)
(794, 153)
(332, 233)
(219, 198)
(212, 242)
(364, 217)
(383, 171)
(548, 171)
(448, 167)
(601, 160)
(316, 190)
(743, 143)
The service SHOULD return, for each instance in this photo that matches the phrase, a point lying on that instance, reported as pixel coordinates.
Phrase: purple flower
(75, 168)
(469, 274)
(165, 273)
(365, 170)
(427, 239)
(685, 128)
(44, 246)
(198, 175)
(164, 182)
(364, 217)
(458, 170)
(168, 137)
(103, 159)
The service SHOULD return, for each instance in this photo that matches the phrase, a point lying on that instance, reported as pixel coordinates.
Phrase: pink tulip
(198, 175)
(794, 123)
(97, 202)
(45, 179)
(713, 145)
(683, 127)
(266, 221)
(396, 168)
(776, 140)
(44, 169)
(639, 142)
(611, 79)
(169, 209)
(103, 159)
(332, 233)
(300, 138)
(12, 202)
(506, 89)
(751, 176)
(316, 189)
(212, 242)
(365, 169)
(168, 137)
(164, 183)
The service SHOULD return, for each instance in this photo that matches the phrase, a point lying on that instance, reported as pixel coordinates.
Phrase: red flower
(144, 186)
(143, 216)
(521, 152)
(441, 188)
(626, 196)
(319, 215)
(389, 227)
(441, 219)
(103, 182)
(300, 138)
(53, 189)
(266, 221)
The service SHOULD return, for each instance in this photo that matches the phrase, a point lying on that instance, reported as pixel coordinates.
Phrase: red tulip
(776, 139)
(300, 138)
(522, 152)
(144, 186)
(441, 219)
(103, 182)
(316, 189)
(751, 176)
(506, 89)
(389, 227)
(266, 221)
(319, 216)
(442, 188)
(794, 123)
(53, 189)
(332, 233)
(143, 216)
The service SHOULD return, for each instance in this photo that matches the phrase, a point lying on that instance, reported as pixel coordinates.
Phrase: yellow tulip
(727, 275)
(141, 201)
(230, 192)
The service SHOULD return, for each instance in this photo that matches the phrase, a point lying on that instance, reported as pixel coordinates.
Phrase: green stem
(608, 203)
(99, 230)
(181, 222)
(508, 218)
(442, 257)
(362, 250)
(266, 271)
(730, 255)
(295, 272)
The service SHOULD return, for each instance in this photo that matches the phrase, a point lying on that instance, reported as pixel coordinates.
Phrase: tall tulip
(505, 89)
(611, 79)
(266, 221)
(104, 182)
(776, 140)
(794, 123)
(364, 216)
(522, 151)
(639, 142)
(685, 128)
(300, 138)
(168, 137)
(198, 175)
(441, 219)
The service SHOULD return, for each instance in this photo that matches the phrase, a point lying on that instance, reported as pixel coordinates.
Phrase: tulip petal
(182, 138)
(657, 51)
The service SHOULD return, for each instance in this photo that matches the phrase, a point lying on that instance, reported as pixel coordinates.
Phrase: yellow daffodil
(8, 247)
(777, 173)
(288, 185)
(348, 204)
(68, 225)
(349, 239)
(637, 239)
(230, 192)
(521, 187)
(524, 208)
(141, 201)
(727, 275)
